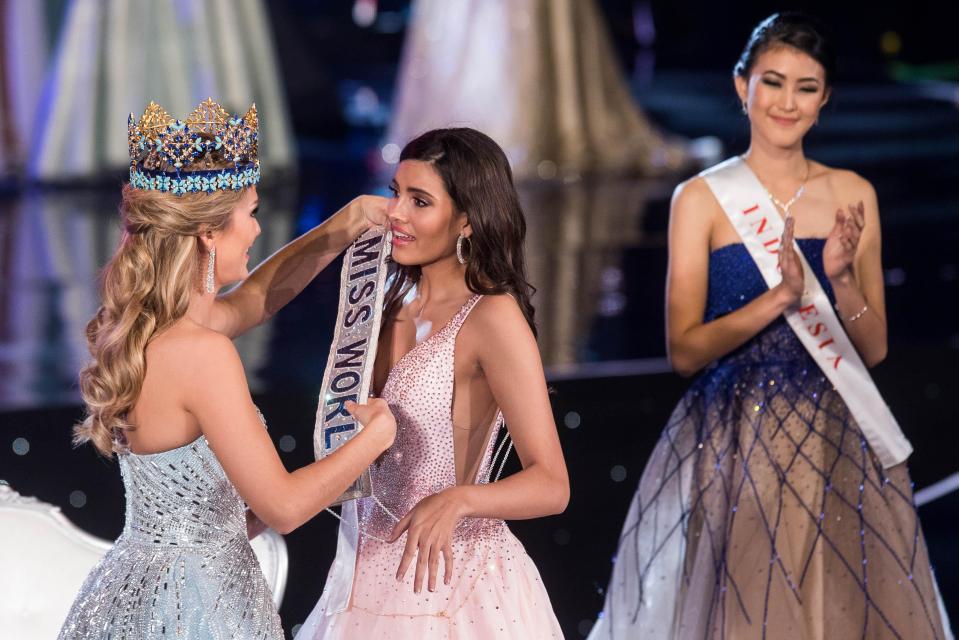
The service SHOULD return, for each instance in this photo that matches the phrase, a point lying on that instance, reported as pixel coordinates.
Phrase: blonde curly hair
(145, 287)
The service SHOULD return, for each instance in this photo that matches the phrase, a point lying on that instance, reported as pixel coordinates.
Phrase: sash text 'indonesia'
(771, 242)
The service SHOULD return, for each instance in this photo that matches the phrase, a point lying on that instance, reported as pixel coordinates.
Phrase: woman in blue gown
(763, 511)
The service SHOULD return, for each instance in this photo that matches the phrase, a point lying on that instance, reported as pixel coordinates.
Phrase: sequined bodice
(734, 281)
(421, 462)
(183, 567)
(180, 497)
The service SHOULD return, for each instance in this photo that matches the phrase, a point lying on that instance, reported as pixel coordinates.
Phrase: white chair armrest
(45, 559)
(270, 550)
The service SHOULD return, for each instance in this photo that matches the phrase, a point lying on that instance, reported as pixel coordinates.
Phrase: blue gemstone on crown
(168, 154)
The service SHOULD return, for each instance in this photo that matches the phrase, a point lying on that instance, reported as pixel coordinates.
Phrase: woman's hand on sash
(376, 417)
(843, 241)
(216, 393)
(370, 212)
(282, 276)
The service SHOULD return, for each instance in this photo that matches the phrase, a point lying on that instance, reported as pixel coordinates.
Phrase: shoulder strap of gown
(464, 313)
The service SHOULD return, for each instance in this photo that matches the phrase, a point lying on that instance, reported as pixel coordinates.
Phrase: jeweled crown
(178, 156)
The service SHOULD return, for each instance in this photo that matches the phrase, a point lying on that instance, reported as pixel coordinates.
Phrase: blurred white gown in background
(114, 56)
(538, 76)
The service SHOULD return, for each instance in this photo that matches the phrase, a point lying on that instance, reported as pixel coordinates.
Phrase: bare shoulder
(214, 346)
(494, 324)
(499, 339)
(497, 312)
(848, 185)
(693, 193)
(694, 209)
(194, 349)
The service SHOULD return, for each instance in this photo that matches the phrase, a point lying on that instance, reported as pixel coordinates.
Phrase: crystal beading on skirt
(763, 512)
(183, 567)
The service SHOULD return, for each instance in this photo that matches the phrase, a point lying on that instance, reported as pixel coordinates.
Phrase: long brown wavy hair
(144, 288)
(478, 179)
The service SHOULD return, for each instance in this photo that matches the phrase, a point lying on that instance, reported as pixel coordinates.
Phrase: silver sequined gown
(183, 567)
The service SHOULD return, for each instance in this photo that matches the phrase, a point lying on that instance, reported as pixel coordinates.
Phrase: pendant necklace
(786, 206)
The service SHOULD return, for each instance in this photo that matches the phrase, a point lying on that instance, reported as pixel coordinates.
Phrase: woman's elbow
(278, 522)
(286, 527)
(877, 356)
(560, 497)
(682, 363)
(281, 517)
(684, 371)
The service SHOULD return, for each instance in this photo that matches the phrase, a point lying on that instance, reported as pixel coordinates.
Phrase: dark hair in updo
(793, 29)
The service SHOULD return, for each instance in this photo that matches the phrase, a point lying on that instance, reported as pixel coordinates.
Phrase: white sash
(348, 374)
(745, 202)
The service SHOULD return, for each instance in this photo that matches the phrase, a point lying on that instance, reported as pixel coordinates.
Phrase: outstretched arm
(282, 276)
(216, 393)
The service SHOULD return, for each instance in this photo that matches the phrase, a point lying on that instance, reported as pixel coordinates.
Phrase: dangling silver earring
(459, 249)
(210, 285)
(745, 109)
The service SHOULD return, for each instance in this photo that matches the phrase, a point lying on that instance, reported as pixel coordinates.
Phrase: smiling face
(234, 241)
(784, 92)
(422, 216)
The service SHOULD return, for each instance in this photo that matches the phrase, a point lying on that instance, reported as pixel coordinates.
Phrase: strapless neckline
(167, 451)
(740, 244)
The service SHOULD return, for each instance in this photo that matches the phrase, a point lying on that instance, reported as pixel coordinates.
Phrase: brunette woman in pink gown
(457, 357)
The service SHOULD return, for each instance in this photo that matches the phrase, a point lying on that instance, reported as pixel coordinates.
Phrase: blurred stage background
(596, 244)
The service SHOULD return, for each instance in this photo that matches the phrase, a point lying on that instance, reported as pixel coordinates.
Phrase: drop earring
(210, 267)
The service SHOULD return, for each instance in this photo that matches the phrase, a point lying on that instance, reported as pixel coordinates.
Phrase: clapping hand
(843, 241)
(790, 265)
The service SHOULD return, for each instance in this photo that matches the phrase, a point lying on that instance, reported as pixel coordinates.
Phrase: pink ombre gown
(496, 591)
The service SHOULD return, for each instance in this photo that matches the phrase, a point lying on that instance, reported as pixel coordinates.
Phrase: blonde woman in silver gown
(764, 511)
(167, 396)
